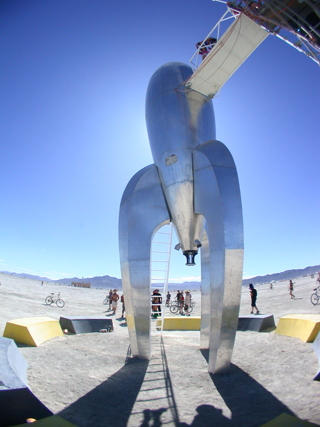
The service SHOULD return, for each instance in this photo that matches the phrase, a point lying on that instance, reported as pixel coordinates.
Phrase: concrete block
(17, 405)
(288, 421)
(303, 326)
(258, 323)
(180, 323)
(13, 367)
(32, 330)
(316, 348)
(82, 325)
(53, 421)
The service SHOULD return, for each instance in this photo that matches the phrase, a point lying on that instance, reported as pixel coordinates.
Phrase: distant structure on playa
(81, 284)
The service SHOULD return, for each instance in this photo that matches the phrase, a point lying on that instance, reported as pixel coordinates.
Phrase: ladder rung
(159, 261)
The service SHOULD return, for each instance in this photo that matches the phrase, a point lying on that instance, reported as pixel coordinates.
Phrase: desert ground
(91, 380)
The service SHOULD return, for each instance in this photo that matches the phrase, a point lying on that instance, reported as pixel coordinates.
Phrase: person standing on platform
(253, 294)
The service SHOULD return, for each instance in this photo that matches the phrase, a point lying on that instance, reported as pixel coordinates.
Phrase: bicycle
(50, 299)
(175, 307)
(315, 297)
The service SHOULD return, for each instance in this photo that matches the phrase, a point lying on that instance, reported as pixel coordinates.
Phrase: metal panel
(217, 197)
(205, 293)
(178, 120)
(143, 210)
(233, 48)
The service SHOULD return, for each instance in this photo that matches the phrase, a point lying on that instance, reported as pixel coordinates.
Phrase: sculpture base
(83, 325)
(256, 322)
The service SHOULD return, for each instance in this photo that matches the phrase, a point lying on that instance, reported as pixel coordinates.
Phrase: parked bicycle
(51, 299)
(175, 307)
(315, 297)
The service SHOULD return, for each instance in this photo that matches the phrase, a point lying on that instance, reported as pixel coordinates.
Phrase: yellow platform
(303, 326)
(32, 330)
(53, 421)
(288, 421)
(180, 323)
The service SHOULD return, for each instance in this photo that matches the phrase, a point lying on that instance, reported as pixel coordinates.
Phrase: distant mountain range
(109, 282)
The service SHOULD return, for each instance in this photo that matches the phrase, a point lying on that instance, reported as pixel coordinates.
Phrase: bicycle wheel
(314, 299)
(193, 304)
(60, 303)
(106, 301)
(49, 300)
(174, 308)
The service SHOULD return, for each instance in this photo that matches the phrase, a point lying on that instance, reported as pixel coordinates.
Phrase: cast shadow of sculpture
(249, 402)
(111, 402)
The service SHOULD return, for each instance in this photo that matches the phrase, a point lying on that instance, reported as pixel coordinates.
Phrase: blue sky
(73, 81)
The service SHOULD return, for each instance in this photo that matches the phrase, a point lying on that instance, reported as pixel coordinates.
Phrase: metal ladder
(160, 264)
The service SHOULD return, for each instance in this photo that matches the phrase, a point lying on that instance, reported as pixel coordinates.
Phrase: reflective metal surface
(194, 184)
(220, 203)
(143, 211)
(178, 120)
(205, 293)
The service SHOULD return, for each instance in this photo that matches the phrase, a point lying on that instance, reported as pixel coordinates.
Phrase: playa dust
(91, 380)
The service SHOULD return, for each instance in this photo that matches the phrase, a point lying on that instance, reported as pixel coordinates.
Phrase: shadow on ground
(249, 402)
(112, 401)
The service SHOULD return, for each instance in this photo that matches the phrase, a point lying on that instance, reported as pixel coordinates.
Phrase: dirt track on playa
(89, 380)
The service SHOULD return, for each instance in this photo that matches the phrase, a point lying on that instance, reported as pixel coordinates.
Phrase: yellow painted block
(180, 323)
(288, 421)
(32, 330)
(303, 326)
(53, 421)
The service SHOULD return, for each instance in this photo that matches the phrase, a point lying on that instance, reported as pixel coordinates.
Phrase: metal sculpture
(193, 183)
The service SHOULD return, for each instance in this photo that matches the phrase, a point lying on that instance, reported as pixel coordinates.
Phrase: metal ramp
(297, 22)
(160, 264)
(230, 51)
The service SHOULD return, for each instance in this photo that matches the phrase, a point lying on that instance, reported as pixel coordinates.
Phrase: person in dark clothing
(253, 294)
(291, 289)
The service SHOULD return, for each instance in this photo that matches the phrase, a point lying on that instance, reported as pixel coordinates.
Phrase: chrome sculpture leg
(143, 211)
(217, 198)
(205, 293)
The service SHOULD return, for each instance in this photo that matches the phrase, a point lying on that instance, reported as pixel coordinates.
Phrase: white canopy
(231, 50)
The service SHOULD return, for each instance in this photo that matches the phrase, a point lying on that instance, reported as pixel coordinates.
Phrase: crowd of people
(183, 300)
